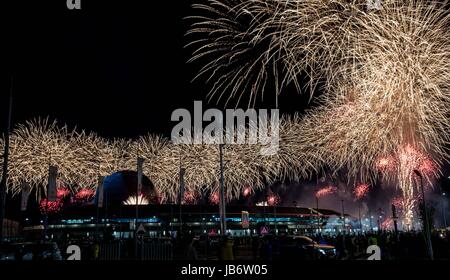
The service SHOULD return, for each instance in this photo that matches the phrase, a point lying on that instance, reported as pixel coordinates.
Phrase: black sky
(115, 67)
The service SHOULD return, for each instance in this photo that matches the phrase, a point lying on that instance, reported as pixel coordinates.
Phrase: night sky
(118, 68)
(115, 67)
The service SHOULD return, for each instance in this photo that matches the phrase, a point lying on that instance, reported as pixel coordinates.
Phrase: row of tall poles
(4, 179)
(222, 201)
(5, 163)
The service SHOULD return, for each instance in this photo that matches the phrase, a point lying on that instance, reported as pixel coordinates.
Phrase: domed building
(119, 215)
(121, 187)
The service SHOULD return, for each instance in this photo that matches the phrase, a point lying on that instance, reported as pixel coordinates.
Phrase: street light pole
(394, 217)
(181, 196)
(443, 211)
(223, 224)
(5, 163)
(425, 213)
(371, 217)
(360, 221)
(343, 225)
(318, 215)
(343, 216)
(140, 162)
(275, 215)
(379, 219)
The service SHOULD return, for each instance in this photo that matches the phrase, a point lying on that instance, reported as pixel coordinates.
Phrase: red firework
(397, 202)
(361, 191)
(386, 164)
(84, 194)
(62, 192)
(428, 167)
(190, 197)
(387, 224)
(50, 207)
(405, 161)
(247, 191)
(414, 159)
(214, 198)
(273, 199)
(326, 191)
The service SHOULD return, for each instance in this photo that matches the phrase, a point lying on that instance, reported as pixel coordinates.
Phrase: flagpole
(140, 162)
(223, 223)
(100, 192)
(97, 233)
(181, 195)
(5, 163)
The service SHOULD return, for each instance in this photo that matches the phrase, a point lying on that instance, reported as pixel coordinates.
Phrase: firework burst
(245, 44)
(50, 207)
(409, 159)
(214, 198)
(190, 197)
(397, 202)
(84, 195)
(361, 191)
(326, 191)
(82, 157)
(384, 110)
(387, 224)
(62, 192)
(141, 200)
(273, 199)
(384, 84)
(36, 145)
(246, 191)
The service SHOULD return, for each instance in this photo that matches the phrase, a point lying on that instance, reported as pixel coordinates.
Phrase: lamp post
(371, 224)
(425, 213)
(360, 221)
(394, 218)
(343, 224)
(140, 162)
(5, 164)
(275, 216)
(100, 191)
(318, 214)
(223, 223)
(379, 222)
(343, 217)
(181, 196)
(443, 210)
(272, 200)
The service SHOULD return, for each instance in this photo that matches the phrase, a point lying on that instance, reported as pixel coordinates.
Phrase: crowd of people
(404, 245)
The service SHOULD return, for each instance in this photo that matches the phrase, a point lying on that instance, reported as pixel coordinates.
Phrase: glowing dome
(120, 186)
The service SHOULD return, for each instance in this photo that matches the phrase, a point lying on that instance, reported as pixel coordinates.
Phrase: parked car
(303, 247)
(30, 251)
